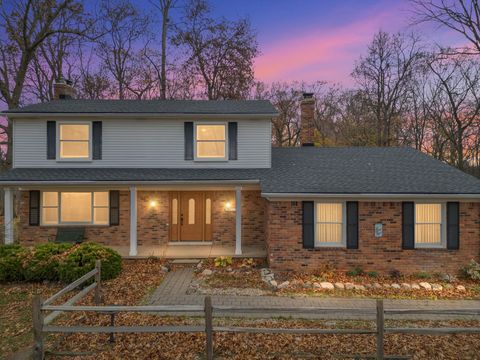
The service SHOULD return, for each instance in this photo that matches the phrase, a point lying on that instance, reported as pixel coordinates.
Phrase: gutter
(165, 116)
(122, 182)
(353, 196)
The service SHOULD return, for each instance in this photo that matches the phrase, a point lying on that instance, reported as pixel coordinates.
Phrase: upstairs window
(428, 225)
(74, 141)
(211, 141)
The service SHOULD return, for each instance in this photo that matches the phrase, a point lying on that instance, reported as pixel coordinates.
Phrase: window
(60, 208)
(191, 212)
(174, 211)
(208, 211)
(329, 224)
(211, 141)
(428, 225)
(74, 141)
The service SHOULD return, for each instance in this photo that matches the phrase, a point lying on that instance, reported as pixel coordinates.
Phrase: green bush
(422, 275)
(80, 259)
(43, 262)
(356, 271)
(372, 274)
(223, 261)
(11, 261)
(472, 270)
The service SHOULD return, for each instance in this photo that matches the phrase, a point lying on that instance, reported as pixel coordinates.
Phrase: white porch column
(238, 220)
(8, 216)
(133, 221)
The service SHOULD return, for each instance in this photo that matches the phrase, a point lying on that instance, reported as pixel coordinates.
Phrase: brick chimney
(63, 89)
(307, 125)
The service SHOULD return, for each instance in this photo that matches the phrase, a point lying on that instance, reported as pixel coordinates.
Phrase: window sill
(75, 225)
(331, 247)
(73, 160)
(210, 160)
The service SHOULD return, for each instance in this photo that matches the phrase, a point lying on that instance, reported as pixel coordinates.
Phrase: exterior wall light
(153, 204)
(229, 206)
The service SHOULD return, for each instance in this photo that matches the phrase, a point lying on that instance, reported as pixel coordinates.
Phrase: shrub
(43, 261)
(472, 270)
(422, 275)
(11, 260)
(80, 259)
(372, 274)
(356, 271)
(395, 274)
(223, 261)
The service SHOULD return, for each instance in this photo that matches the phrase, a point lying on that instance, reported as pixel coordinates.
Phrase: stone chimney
(63, 89)
(307, 125)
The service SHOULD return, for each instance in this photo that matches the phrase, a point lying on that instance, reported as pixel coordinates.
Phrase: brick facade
(153, 222)
(286, 253)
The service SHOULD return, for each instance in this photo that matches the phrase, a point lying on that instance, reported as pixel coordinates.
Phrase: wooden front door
(191, 216)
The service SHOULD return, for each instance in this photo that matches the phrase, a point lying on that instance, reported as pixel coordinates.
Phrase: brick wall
(286, 253)
(153, 221)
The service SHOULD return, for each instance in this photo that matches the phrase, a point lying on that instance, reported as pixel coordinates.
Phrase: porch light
(153, 204)
(229, 206)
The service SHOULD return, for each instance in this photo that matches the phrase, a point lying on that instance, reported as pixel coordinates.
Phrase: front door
(190, 216)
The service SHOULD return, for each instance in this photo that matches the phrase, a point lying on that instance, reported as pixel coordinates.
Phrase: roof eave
(372, 196)
(126, 115)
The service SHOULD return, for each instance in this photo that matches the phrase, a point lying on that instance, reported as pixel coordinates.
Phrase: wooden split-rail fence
(42, 323)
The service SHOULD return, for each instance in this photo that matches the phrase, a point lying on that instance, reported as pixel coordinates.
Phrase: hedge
(56, 262)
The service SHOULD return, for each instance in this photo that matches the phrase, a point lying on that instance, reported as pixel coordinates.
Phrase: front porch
(201, 251)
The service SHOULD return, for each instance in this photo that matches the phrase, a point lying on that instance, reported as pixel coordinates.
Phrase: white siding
(143, 143)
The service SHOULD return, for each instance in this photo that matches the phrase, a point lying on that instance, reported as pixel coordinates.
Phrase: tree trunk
(163, 80)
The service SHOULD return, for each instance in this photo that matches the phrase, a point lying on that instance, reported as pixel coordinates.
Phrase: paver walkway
(173, 291)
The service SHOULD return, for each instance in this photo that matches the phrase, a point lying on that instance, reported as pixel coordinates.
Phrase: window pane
(428, 234)
(211, 149)
(191, 212)
(329, 233)
(76, 207)
(174, 212)
(74, 132)
(74, 149)
(100, 198)
(428, 213)
(50, 216)
(329, 212)
(208, 211)
(50, 199)
(100, 216)
(210, 132)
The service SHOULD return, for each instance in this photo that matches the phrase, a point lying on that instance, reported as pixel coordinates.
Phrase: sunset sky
(321, 39)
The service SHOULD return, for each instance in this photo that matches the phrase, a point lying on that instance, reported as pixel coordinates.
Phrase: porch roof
(306, 170)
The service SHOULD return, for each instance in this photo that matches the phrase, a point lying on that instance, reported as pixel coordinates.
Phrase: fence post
(209, 327)
(98, 278)
(37, 317)
(380, 330)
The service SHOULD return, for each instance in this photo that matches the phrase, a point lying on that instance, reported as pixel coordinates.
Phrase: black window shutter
(188, 129)
(352, 224)
(51, 140)
(34, 213)
(232, 141)
(114, 207)
(308, 225)
(96, 140)
(408, 225)
(453, 225)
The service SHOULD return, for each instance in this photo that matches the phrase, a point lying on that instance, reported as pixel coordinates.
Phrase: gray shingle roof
(298, 170)
(151, 107)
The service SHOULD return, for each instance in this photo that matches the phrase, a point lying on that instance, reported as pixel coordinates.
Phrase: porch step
(185, 261)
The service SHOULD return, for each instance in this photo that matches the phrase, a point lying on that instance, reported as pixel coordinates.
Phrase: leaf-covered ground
(139, 278)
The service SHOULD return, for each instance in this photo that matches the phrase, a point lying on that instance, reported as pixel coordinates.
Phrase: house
(200, 178)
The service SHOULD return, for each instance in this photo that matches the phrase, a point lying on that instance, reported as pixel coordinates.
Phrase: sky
(309, 40)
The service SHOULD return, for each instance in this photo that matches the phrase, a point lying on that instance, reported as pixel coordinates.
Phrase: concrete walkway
(173, 291)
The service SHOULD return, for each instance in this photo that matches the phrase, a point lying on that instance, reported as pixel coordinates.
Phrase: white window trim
(90, 141)
(443, 227)
(195, 125)
(59, 209)
(343, 243)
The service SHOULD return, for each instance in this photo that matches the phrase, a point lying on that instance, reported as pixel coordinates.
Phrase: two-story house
(200, 178)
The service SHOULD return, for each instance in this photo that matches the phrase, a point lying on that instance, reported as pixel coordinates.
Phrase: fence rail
(41, 323)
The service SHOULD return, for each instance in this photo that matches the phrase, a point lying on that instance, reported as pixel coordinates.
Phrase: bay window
(211, 141)
(66, 207)
(74, 141)
(429, 225)
(329, 224)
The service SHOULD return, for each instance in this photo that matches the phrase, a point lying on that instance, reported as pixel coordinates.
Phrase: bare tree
(26, 25)
(462, 16)
(123, 26)
(219, 52)
(383, 75)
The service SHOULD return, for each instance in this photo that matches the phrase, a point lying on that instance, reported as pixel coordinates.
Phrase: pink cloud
(323, 54)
